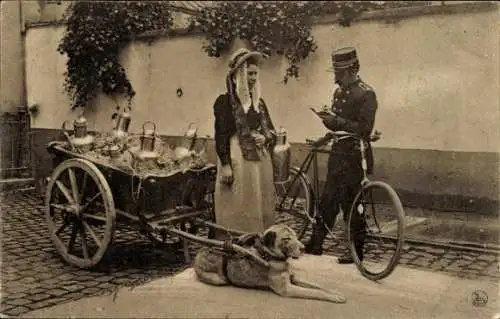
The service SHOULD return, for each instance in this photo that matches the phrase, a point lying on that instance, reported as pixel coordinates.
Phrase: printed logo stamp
(479, 298)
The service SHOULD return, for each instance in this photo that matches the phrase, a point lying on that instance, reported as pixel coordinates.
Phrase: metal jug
(81, 140)
(122, 124)
(281, 157)
(114, 151)
(187, 143)
(147, 148)
(189, 138)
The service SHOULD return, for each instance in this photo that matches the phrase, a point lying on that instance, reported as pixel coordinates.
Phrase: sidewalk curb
(14, 184)
(462, 245)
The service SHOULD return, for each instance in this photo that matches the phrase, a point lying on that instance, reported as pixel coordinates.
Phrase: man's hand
(259, 139)
(328, 118)
(330, 121)
(227, 175)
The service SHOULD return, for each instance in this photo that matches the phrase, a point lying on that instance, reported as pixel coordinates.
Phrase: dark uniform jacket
(355, 107)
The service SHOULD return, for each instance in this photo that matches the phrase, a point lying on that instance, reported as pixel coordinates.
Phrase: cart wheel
(80, 212)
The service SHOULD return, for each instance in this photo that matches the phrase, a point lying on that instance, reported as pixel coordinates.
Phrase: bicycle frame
(312, 158)
(359, 201)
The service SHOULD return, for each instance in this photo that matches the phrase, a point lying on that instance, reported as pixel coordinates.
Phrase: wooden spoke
(87, 204)
(92, 233)
(83, 187)
(95, 217)
(63, 226)
(74, 185)
(73, 237)
(62, 207)
(84, 243)
(65, 192)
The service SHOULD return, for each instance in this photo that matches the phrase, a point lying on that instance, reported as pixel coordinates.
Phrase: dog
(276, 245)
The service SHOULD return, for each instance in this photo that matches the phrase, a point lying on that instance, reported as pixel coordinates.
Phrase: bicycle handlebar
(341, 135)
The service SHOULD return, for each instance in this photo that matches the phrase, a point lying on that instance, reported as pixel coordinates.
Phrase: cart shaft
(217, 243)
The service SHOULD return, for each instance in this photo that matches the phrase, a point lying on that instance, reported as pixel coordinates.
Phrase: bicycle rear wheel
(294, 204)
(383, 217)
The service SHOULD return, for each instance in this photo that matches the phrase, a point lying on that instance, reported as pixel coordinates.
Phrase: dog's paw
(339, 298)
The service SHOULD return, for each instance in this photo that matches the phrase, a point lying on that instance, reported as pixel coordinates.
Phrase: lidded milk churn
(187, 143)
(148, 138)
(114, 151)
(115, 154)
(281, 157)
(81, 139)
(122, 125)
(189, 138)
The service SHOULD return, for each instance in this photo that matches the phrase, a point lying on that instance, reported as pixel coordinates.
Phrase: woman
(244, 137)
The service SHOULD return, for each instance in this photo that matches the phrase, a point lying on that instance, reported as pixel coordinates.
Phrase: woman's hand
(227, 175)
(259, 139)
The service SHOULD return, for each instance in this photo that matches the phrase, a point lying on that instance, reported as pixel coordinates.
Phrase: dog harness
(265, 253)
(248, 240)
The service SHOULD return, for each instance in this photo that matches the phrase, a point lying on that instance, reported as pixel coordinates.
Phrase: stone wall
(435, 75)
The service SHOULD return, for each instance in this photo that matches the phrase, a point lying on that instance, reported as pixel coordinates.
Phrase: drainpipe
(23, 54)
(22, 109)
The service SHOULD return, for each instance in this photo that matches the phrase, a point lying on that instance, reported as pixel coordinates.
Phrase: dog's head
(282, 242)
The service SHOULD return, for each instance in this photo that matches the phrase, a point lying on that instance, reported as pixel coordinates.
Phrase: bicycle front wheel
(375, 229)
(294, 204)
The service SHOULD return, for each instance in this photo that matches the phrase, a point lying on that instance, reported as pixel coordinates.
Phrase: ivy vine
(283, 28)
(96, 32)
(272, 27)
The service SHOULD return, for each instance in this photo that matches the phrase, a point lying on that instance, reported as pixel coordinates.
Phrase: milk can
(189, 138)
(146, 151)
(186, 145)
(114, 151)
(81, 140)
(281, 157)
(122, 125)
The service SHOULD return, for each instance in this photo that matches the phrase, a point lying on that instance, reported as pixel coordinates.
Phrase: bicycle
(304, 203)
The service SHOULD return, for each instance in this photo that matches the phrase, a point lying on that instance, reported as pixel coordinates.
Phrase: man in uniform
(354, 106)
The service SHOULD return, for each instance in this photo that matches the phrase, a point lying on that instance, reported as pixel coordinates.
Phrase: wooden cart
(85, 200)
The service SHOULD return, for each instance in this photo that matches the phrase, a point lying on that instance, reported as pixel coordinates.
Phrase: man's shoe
(312, 250)
(345, 259)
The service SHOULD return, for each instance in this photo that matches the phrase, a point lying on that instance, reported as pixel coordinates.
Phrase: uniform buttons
(343, 100)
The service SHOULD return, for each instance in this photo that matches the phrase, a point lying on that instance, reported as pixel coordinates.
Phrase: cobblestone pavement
(463, 263)
(34, 276)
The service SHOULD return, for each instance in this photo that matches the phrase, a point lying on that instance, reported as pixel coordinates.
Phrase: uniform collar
(350, 85)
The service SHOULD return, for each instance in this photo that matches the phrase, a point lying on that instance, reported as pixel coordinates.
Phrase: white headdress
(238, 69)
